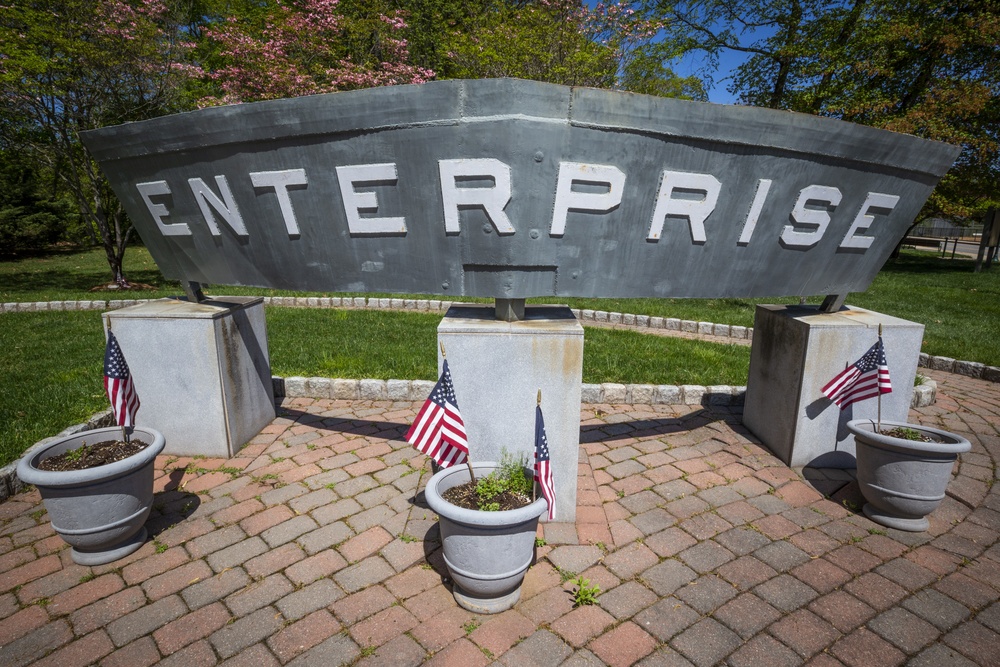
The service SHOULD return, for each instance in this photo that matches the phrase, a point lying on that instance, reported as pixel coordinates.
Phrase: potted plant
(488, 549)
(99, 511)
(903, 470)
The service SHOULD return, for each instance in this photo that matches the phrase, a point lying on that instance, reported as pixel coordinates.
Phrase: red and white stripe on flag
(866, 378)
(439, 430)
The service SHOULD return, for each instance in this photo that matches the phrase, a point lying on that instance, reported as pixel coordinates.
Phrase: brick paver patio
(314, 547)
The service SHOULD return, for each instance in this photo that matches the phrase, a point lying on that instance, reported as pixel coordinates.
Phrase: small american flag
(543, 467)
(867, 377)
(438, 430)
(118, 384)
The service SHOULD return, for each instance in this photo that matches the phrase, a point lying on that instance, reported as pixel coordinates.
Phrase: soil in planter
(91, 456)
(465, 496)
(907, 434)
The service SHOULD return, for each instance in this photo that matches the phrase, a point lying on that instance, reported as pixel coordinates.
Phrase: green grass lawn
(53, 360)
(960, 309)
(41, 352)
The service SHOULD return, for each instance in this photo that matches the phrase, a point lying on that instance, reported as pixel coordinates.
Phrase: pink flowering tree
(305, 47)
(72, 65)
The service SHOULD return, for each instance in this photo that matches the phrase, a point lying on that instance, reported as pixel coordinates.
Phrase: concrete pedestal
(201, 370)
(796, 351)
(498, 368)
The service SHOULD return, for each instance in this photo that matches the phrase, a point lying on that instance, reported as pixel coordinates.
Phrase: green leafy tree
(607, 45)
(72, 65)
(923, 67)
(30, 219)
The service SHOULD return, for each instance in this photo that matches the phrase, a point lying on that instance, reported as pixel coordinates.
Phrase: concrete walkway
(314, 547)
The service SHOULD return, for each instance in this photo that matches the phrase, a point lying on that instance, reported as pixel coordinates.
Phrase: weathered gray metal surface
(511, 189)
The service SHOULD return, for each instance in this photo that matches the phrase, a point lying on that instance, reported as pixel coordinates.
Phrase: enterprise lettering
(580, 187)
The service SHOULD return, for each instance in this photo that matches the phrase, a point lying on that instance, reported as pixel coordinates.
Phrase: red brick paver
(705, 547)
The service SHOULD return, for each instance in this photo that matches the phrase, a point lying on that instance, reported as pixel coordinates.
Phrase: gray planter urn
(904, 480)
(101, 511)
(487, 553)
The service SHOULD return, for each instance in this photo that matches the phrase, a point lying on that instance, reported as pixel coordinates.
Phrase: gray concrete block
(372, 390)
(591, 394)
(738, 332)
(991, 373)
(499, 367)
(201, 371)
(614, 392)
(924, 394)
(669, 394)
(397, 390)
(739, 395)
(319, 387)
(799, 350)
(971, 369)
(942, 364)
(706, 328)
(641, 394)
(658, 323)
(692, 394)
(421, 389)
(295, 387)
(719, 394)
(689, 326)
(346, 390)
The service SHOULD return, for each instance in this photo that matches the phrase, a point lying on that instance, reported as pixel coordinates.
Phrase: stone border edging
(608, 392)
(418, 390)
(973, 369)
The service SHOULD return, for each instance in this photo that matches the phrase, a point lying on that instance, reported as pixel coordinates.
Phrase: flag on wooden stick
(438, 430)
(543, 466)
(118, 384)
(865, 378)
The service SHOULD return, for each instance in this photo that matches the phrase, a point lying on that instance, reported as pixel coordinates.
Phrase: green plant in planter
(905, 433)
(508, 477)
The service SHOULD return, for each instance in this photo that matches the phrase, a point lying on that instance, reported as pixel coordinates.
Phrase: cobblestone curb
(971, 369)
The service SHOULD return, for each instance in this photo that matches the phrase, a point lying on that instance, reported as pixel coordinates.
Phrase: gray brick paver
(246, 631)
(145, 620)
(672, 573)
